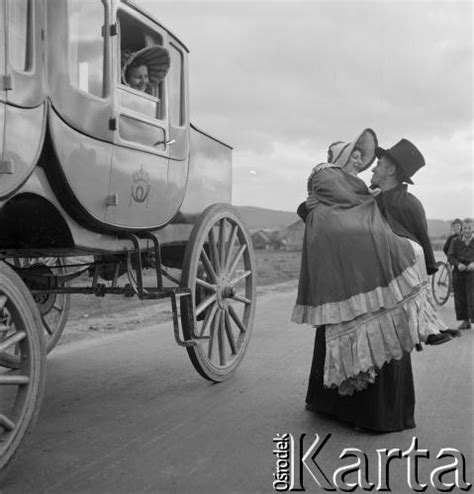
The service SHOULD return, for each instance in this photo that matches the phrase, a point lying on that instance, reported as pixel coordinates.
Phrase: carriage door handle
(166, 143)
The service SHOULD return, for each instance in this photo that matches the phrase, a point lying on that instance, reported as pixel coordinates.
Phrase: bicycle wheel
(441, 283)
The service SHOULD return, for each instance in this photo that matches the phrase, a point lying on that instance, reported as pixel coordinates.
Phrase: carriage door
(140, 193)
(24, 106)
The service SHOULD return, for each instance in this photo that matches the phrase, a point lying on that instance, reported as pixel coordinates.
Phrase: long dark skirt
(387, 405)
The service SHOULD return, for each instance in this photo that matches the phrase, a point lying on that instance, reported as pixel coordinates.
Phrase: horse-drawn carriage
(100, 181)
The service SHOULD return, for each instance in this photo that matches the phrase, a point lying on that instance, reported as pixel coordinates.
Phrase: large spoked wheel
(219, 268)
(53, 307)
(441, 283)
(22, 383)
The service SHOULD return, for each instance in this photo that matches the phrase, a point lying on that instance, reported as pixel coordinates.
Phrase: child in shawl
(366, 284)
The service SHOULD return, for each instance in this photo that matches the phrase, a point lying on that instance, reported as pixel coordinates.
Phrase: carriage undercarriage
(213, 306)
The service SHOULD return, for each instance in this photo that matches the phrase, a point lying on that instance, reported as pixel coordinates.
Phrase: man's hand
(470, 266)
(311, 201)
(461, 267)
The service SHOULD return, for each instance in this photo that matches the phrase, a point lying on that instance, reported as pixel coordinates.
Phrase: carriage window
(139, 89)
(19, 33)
(86, 45)
(175, 87)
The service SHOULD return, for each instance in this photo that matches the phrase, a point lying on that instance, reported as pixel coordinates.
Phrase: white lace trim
(355, 350)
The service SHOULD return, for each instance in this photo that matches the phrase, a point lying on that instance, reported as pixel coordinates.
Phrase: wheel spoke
(3, 301)
(237, 259)
(222, 231)
(14, 380)
(241, 276)
(6, 423)
(214, 325)
(220, 340)
(208, 266)
(214, 252)
(205, 303)
(9, 361)
(205, 284)
(46, 325)
(208, 319)
(236, 319)
(230, 248)
(242, 299)
(12, 340)
(230, 335)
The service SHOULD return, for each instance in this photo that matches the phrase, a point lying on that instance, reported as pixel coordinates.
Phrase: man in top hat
(404, 212)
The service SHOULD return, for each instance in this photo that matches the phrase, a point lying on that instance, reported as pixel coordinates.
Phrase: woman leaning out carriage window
(144, 64)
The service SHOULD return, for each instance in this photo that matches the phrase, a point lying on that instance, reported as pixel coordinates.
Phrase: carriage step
(195, 340)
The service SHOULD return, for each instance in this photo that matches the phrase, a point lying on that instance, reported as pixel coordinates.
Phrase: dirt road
(127, 413)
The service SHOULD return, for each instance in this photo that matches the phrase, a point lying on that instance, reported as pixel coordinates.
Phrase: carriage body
(90, 155)
(101, 184)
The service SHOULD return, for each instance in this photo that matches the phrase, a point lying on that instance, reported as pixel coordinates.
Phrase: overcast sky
(280, 80)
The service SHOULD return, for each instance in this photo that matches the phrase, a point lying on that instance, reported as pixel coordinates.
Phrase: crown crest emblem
(141, 175)
(140, 186)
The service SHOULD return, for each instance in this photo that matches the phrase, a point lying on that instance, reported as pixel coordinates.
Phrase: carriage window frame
(181, 121)
(104, 38)
(27, 49)
(150, 37)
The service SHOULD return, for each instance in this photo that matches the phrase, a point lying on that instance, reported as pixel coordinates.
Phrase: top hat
(339, 152)
(155, 57)
(405, 156)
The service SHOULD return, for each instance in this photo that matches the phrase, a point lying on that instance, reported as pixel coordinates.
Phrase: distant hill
(256, 218)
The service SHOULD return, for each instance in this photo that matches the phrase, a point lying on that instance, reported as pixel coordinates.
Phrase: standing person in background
(456, 227)
(461, 256)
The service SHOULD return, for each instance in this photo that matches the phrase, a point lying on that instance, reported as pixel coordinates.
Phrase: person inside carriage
(144, 69)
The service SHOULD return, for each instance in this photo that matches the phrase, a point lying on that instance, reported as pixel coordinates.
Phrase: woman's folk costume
(365, 284)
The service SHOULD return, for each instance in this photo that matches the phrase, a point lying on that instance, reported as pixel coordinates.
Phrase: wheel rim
(53, 308)
(22, 381)
(221, 276)
(441, 284)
